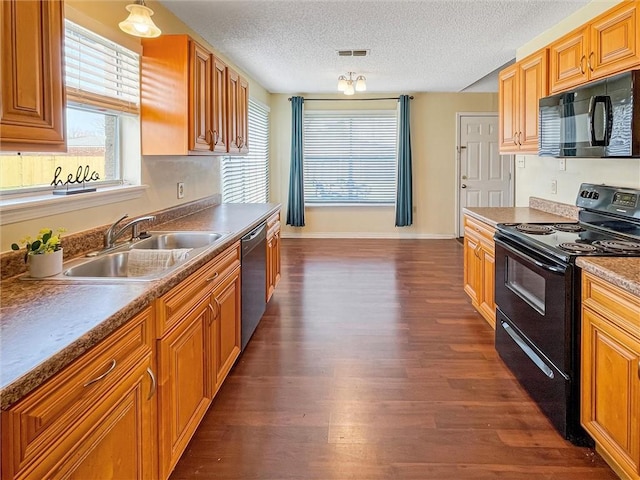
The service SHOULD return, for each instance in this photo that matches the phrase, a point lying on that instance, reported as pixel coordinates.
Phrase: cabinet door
(182, 384)
(32, 98)
(610, 396)
(533, 86)
(568, 60)
(486, 300)
(471, 264)
(233, 125)
(121, 440)
(243, 115)
(219, 94)
(508, 107)
(615, 42)
(200, 131)
(227, 333)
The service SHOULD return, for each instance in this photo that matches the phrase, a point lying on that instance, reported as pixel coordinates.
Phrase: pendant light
(349, 86)
(139, 23)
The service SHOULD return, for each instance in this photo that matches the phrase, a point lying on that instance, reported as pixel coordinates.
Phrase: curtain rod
(349, 99)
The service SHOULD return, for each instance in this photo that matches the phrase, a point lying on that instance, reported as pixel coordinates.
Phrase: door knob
(463, 186)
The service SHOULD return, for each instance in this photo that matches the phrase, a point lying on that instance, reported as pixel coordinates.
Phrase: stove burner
(534, 229)
(618, 246)
(568, 227)
(577, 247)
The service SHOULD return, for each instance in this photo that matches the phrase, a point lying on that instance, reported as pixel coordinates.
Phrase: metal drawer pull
(527, 350)
(154, 384)
(211, 279)
(100, 377)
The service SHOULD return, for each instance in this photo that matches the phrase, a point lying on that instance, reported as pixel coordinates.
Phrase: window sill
(20, 208)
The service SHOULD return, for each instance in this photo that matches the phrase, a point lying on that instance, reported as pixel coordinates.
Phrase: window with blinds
(102, 81)
(246, 179)
(350, 157)
(100, 73)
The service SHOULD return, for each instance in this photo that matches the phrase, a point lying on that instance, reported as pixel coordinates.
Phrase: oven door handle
(529, 258)
(528, 351)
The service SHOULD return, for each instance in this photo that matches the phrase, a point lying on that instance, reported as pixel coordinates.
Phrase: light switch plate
(562, 164)
(521, 162)
(554, 187)
(180, 189)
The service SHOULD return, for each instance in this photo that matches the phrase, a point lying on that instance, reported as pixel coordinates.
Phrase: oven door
(534, 293)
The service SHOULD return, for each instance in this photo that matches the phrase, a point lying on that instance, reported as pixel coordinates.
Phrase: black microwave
(599, 119)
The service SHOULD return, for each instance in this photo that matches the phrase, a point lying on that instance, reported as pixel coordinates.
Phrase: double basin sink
(115, 265)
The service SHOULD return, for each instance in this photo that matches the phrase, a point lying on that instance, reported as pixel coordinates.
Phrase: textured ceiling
(415, 46)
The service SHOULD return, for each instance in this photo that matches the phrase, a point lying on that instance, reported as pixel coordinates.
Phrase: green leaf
(35, 245)
(15, 246)
(46, 237)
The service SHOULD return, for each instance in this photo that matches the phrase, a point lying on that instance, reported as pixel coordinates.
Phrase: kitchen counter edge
(621, 272)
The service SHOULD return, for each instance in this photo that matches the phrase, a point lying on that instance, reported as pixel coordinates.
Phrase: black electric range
(537, 293)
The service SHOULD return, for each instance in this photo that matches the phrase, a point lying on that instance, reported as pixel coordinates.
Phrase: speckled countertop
(495, 215)
(45, 325)
(622, 272)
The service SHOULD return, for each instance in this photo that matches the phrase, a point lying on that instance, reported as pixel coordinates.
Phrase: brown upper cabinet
(608, 44)
(189, 102)
(520, 88)
(33, 98)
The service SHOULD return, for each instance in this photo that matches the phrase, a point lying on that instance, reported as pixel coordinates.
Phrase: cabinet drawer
(619, 306)
(486, 231)
(175, 304)
(42, 420)
(272, 220)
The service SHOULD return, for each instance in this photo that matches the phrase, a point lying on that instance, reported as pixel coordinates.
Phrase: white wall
(535, 179)
(433, 135)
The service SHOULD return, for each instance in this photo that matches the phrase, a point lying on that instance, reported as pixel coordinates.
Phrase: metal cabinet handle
(100, 377)
(215, 136)
(582, 59)
(520, 138)
(515, 142)
(154, 383)
(212, 278)
(589, 61)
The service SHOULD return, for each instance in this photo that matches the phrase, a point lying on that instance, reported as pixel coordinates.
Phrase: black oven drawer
(547, 385)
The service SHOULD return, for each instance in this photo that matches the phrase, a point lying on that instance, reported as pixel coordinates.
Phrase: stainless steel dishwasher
(254, 280)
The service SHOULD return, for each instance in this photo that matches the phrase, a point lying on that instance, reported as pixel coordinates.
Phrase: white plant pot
(45, 264)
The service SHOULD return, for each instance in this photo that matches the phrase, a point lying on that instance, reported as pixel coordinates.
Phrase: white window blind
(100, 73)
(246, 179)
(350, 157)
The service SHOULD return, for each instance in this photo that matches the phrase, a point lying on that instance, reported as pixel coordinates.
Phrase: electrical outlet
(180, 189)
(554, 186)
(562, 164)
(521, 162)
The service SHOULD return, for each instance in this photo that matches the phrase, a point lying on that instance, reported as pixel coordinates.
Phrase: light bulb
(342, 83)
(361, 84)
(349, 90)
(139, 23)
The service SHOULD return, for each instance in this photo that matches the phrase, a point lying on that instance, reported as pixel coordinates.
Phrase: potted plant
(44, 254)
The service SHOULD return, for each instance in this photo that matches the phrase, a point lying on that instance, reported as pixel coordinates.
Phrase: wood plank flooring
(370, 363)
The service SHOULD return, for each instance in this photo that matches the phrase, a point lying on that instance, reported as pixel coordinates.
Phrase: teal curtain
(295, 207)
(404, 193)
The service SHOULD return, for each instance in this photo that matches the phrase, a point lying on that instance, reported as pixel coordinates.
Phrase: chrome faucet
(111, 235)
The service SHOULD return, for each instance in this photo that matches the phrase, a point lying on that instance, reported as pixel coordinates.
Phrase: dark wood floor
(370, 363)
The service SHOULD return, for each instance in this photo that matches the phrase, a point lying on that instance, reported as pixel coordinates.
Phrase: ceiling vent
(353, 53)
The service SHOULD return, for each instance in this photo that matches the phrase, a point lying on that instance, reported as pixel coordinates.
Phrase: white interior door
(484, 175)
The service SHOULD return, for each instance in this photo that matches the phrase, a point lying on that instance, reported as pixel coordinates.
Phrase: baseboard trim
(373, 235)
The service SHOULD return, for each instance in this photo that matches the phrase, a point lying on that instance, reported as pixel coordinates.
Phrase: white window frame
(314, 143)
(37, 202)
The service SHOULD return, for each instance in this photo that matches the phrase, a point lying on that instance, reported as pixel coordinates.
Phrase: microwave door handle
(606, 101)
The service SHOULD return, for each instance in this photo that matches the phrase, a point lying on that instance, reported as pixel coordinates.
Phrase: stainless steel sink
(113, 265)
(174, 240)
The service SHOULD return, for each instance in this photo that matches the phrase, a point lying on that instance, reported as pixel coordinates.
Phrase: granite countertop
(45, 325)
(494, 215)
(622, 272)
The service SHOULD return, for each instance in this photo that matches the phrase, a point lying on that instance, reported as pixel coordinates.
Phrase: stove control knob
(595, 195)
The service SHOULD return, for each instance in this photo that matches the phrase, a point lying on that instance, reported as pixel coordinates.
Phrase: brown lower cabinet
(273, 253)
(108, 415)
(479, 267)
(610, 373)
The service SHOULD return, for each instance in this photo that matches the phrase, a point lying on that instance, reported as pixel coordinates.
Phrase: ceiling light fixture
(139, 23)
(350, 86)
